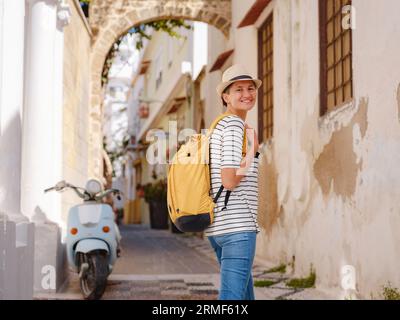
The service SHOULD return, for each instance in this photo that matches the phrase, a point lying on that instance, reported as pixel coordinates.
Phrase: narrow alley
(156, 264)
(100, 98)
(161, 265)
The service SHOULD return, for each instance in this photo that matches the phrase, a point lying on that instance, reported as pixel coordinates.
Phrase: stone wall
(111, 19)
(76, 103)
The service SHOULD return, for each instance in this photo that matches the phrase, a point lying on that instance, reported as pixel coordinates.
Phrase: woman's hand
(252, 138)
(230, 176)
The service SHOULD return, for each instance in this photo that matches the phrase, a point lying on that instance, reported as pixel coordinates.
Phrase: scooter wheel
(94, 280)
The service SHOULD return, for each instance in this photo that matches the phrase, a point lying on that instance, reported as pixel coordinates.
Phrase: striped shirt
(226, 152)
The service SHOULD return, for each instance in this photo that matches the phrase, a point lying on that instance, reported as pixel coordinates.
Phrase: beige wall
(76, 104)
(171, 87)
(329, 185)
(171, 74)
(217, 44)
(245, 44)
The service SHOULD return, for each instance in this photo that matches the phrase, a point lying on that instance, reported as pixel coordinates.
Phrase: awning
(254, 12)
(144, 66)
(177, 104)
(221, 60)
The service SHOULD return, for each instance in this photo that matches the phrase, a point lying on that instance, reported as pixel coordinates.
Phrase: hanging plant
(169, 26)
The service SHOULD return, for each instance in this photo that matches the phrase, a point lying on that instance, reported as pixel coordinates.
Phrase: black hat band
(241, 77)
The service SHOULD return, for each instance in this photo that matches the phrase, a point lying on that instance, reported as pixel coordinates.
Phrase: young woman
(233, 231)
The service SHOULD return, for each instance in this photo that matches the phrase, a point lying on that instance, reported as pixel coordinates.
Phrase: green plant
(281, 269)
(264, 283)
(156, 191)
(308, 282)
(148, 192)
(118, 152)
(390, 293)
(160, 190)
(167, 25)
(170, 26)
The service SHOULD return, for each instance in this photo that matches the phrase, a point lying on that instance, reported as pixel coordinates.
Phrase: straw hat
(233, 74)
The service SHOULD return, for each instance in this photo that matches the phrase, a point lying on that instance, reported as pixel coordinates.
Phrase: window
(265, 73)
(335, 55)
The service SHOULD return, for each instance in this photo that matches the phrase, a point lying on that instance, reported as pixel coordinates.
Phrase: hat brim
(223, 85)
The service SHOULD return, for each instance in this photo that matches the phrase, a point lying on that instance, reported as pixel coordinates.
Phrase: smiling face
(241, 95)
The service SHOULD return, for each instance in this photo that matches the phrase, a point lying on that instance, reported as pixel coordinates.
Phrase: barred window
(335, 54)
(265, 73)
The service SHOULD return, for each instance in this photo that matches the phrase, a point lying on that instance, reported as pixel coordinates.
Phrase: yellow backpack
(190, 205)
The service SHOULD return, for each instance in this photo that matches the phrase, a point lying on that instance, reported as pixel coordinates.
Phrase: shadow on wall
(10, 166)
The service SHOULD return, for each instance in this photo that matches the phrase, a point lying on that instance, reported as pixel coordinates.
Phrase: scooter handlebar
(117, 193)
(62, 185)
(49, 189)
(107, 192)
(84, 195)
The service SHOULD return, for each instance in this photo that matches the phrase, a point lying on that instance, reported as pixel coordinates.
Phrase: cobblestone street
(160, 265)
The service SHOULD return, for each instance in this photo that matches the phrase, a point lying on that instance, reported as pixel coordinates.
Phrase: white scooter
(92, 237)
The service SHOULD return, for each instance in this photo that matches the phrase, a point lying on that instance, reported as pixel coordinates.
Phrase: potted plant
(155, 194)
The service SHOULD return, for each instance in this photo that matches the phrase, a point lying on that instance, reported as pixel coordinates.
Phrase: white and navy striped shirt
(226, 152)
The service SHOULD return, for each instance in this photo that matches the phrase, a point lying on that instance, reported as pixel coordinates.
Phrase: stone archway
(110, 19)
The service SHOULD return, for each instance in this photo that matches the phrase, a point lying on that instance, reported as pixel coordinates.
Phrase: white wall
(217, 44)
(11, 100)
(133, 106)
(1, 53)
(246, 44)
(171, 74)
(200, 47)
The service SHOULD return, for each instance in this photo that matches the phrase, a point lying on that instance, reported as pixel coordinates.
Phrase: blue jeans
(235, 253)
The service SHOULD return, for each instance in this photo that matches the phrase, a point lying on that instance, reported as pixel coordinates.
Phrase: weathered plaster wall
(335, 200)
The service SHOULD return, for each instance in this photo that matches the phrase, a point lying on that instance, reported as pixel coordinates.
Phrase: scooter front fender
(88, 245)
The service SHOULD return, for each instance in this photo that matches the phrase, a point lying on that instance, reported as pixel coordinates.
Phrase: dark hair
(225, 91)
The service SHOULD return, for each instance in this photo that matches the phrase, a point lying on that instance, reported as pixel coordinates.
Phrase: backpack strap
(228, 194)
(221, 188)
(214, 124)
(244, 150)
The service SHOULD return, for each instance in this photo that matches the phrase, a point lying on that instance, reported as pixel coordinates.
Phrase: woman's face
(241, 95)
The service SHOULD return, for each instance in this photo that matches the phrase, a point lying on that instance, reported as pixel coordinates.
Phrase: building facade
(327, 127)
(329, 131)
(327, 118)
(44, 92)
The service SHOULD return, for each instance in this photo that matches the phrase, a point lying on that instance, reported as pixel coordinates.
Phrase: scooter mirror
(60, 185)
(93, 186)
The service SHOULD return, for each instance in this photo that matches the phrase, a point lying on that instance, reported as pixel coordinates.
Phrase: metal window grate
(265, 73)
(335, 54)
